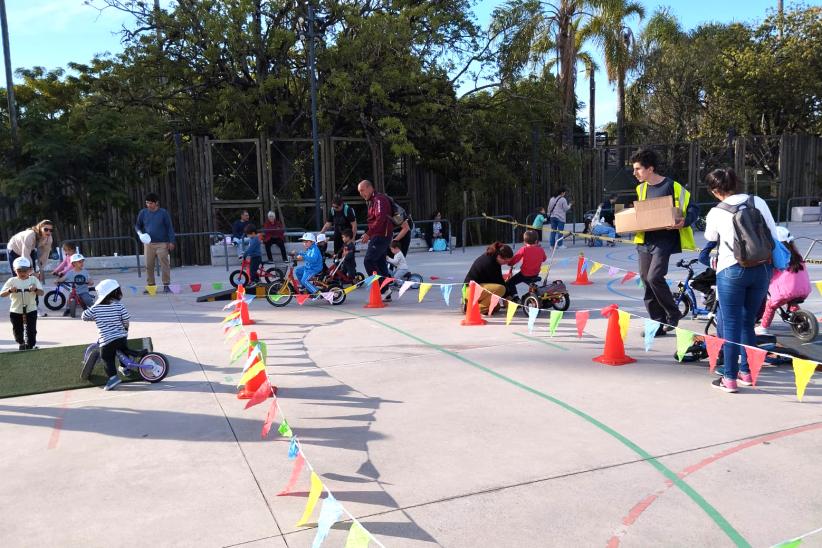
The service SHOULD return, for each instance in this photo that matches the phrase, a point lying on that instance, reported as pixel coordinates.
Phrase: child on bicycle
(313, 262)
(253, 253)
(532, 256)
(786, 285)
(399, 265)
(348, 254)
(112, 321)
(79, 276)
(23, 290)
(69, 249)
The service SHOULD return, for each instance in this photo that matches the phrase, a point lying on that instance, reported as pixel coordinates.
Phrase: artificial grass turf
(53, 369)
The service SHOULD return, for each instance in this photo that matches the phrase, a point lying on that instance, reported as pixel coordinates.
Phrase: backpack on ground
(753, 244)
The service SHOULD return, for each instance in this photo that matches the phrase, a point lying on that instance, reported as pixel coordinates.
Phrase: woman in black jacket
(487, 272)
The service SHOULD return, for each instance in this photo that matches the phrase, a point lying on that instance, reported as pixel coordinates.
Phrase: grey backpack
(753, 243)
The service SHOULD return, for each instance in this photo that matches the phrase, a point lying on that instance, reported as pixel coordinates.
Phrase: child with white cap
(313, 262)
(79, 276)
(112, 321)
(23, 290)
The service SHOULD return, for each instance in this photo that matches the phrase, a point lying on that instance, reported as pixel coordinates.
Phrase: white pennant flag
(251, 357)
(329, 296)
(232, 304)
(405, 287)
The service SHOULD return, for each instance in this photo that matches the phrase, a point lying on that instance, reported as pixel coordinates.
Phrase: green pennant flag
(790, 544)
(285, 430)
(217, 285)
(357, 537)
(556, 317)
(465, 292)
(684, 340)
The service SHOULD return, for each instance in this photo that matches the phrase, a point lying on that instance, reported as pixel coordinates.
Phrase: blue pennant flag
(329, 515)
(446, 294)
(533, 312)
(293, 449)
(651, 327)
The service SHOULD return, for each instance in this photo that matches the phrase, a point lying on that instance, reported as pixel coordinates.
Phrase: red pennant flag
(493, 304)
(385, 282)
(261, 394)
(269, 418)
(582, 319)
(295, 475)
(196, 287)
(435, 277)
(713, 345)
(627, 277)
(302, 298)
(756, 357)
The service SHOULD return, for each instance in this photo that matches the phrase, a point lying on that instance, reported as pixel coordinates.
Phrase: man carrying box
(654, 247)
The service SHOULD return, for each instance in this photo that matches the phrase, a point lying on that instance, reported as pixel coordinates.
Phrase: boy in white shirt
(23, 290)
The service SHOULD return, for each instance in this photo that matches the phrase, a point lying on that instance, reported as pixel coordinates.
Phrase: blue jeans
(556, 224)
(304, 275)
(741, 292)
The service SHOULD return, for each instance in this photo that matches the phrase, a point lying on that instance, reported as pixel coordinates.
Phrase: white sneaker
(759, 330)
(430, 249)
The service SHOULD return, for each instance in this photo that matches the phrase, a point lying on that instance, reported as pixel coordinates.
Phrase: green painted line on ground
(543, 341)
(712, 512)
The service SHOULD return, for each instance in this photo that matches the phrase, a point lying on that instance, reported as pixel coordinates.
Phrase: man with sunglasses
(157, 234)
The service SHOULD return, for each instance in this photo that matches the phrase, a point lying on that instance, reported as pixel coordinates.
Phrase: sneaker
(759, 330)
(112, 383)
(430, 249)
(21, 347)
(672, 323)
(745, 379)
(386, 298)
(725, 385)
(166, 289)
(145, 292)
(35, 347)
(123, 371)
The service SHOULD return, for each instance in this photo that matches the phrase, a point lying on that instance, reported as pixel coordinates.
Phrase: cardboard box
(647, 215)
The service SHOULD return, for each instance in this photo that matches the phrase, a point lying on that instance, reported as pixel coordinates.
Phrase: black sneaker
(672, 323)
(166, 289)
(386, 298)
(22, 347)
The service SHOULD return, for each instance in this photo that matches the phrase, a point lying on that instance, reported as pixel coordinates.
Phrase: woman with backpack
(744, 229)
(558, 206)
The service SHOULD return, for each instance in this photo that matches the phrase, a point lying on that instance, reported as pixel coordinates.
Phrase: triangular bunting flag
(651, 327)
(756, 357)
(295, 475)
(556, 317)
(252, 357)
(269, 418)
(285, 429)
(424, 287)
(152, 290)
(582, 321)
(293, 449)
(406, 285)
(789, 544)
(133, 289)
(253, 371)
(328, 296)
(477, 294)
(240, 344)
(543, 270)
(613, 271)
(713, 345)
(233, 332)
(512, 308)
(313, 496)
(446, 294)
(329, 514)
(233, 323)
(175, 288)
(231, 316)
(628, 276)
(802, 371)
(349, 289)
(624, 323)
(493, 304)
(369, 280)
(195, 288)
(357, 537)
(596, 267)
(301, 298)
(684, 340)
(533, 312)
(385, 282)
(819, 287)
(217, 286)
(639, 283)
(464, 292)
(260, 395)
(232, 304)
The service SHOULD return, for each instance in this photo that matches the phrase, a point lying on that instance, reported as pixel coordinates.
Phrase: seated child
(349, 252)
(786, 285)
(69, 249)
(313, 262)
(112, 321)
(322, 244)
(79, 276)
(604, 228)
(532, 256)
(23, 289)
(254, 253)
(399, 266)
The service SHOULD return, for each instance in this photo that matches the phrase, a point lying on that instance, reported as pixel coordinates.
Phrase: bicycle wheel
(683, 303)
(529, 302)
(90, 357)
(238, 277)
(273, 274)
(279, 293)
(562, 303)
(153, 367)
(805, 327)
(710, 327)
(358, 277)
(337, 295)
(54, 300)
(416, 278)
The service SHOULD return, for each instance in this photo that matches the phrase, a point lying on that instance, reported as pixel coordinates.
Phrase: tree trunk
(621, 118)
(592, 88)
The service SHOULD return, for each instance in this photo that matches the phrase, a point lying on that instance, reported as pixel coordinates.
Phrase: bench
(805, 214)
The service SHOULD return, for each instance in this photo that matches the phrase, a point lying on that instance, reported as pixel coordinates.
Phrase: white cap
(783, 234)
(145, 238)
(21, 262)
(308, 237)
(321, 238)
(77, 257)
(104, 288)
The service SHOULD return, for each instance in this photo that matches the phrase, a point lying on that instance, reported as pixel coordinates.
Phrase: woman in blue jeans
(558, 206)
(741, 290)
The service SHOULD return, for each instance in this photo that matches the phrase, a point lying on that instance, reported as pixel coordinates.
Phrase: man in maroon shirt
(378, 235)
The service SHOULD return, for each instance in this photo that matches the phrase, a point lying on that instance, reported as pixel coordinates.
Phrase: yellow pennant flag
(803, 371)
(239, 344)
(313, 497)
(252, 372)
(233, 332)
(624, 322)
(350, 288)
(594, 268)
(423, 290)
(231, 316)
(512, 308)
(543, 269)
(819, 287)
(152, 289)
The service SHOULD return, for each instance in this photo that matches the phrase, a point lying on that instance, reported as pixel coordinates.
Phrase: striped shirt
(112, 321)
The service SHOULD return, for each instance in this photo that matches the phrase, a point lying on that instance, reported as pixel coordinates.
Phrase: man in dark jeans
(654, 248)
(378, 235)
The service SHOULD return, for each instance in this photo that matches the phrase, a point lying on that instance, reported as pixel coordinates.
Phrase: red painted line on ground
(58, 422)
(635, 512)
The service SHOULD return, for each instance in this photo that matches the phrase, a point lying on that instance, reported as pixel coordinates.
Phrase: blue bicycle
(685, 297)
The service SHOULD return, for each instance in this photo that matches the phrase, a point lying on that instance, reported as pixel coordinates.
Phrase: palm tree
(609, 29)
(590, 71)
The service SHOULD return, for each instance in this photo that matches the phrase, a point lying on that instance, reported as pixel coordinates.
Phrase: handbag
(780, 255)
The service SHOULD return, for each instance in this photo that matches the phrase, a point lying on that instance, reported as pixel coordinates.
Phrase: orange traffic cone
(247, 391)
(472, 311)
(614, 352)
(582, 274)
(375, 297)
(242, 306)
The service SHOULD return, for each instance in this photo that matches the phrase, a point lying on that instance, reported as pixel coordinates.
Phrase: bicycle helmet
(784, 235)
(76, 257)
(104, 289)
(308, 237)
(321, 237)
(21, 262)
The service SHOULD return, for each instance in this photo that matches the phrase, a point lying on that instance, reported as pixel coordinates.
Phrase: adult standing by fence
(558, 207)
(654, 248)
(33, 243)
(340, 217)
(378, 235)
(274, 234)
(157, 234)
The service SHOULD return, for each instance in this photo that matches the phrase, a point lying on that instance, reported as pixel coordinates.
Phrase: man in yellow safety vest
(654, 248)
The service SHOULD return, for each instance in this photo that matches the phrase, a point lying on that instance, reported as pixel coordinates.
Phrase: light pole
(315, 138)
(9, 81)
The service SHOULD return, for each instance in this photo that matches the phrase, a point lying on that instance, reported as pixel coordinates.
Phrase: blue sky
(51, 33)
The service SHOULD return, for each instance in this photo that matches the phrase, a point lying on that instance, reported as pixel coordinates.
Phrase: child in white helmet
(23, 290)
(313, 262)
(112, 321)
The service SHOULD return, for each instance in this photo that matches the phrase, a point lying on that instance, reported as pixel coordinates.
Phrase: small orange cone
(247, 391)
(582, 274)
(242, 306)
(375, 297)
(472, 310)
(614, 352)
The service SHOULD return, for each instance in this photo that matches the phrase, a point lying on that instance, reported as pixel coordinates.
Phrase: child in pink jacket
(786, 285)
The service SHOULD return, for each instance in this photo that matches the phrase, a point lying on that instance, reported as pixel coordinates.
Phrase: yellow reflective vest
(681, 200)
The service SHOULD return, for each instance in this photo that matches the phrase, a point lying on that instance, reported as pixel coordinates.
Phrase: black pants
(405, 243)
(513, 281)
(659, 301)
(374, 260)
(280, 243)
(109, 353)
(349, 265)
(30, 330)
(254, 267)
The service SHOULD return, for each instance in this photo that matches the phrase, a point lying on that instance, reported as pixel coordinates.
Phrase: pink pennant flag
(756, 357)
(628, 276)
(477, 293)
(493, 304)
(385, 282)
(295, 475)
(269, 418)
(302, 298)
(713, 345)
(613, 271)
(174, 288)
(260, 395)
(582, 319)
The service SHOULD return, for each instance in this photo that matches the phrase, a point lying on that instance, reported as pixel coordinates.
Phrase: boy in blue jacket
(254, 253)
(313, 258)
